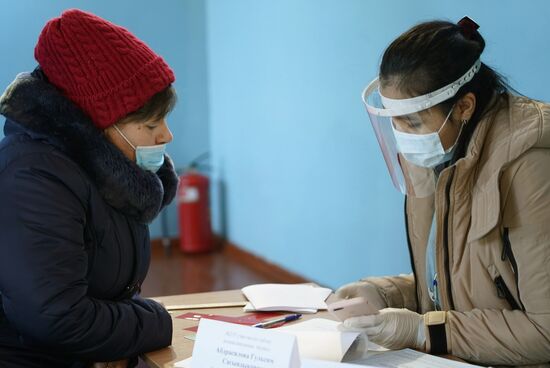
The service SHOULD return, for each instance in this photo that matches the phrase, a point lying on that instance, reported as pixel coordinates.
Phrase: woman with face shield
(472, 159)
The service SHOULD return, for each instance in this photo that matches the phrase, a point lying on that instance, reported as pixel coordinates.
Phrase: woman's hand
(392, 328)
(364, 289)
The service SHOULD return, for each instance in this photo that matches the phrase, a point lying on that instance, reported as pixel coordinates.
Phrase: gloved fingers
(400, 329)
(348, 291)
(362, 289)
(374, 330)
(363, 321)
(349, 328)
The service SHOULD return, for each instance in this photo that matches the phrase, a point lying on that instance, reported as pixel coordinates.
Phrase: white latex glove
(392, 328)
(364, 289)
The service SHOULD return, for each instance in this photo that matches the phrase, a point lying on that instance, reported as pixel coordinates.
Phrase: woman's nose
(165, 135)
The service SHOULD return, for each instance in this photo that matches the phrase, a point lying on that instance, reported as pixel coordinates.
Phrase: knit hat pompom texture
(99, 66)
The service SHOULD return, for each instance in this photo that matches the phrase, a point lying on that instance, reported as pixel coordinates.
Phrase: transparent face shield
(407, 132)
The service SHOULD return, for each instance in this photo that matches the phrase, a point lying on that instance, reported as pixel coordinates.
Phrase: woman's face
(426, 121)
(148, 133)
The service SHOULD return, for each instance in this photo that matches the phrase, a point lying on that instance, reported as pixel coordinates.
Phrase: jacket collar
(517, 125)
(37, 108)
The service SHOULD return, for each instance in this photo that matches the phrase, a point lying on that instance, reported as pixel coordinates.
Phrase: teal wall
(272, 89)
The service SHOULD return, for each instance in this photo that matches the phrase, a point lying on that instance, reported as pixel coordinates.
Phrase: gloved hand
(392, 328)
(364, 289)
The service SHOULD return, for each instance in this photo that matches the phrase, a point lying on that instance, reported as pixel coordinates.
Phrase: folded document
(299, 298)
(320, 338)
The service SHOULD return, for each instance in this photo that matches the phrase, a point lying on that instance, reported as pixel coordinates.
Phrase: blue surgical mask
(424, 150)
(148, 158)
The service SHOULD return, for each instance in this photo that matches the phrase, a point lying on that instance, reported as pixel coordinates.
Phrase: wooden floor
(172, 272)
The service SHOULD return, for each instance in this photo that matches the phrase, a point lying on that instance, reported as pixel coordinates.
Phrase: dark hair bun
(468, 28)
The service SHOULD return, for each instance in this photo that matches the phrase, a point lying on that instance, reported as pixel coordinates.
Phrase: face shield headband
(397, 107)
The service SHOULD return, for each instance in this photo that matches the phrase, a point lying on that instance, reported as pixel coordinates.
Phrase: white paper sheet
(408, 358)
(297, 298)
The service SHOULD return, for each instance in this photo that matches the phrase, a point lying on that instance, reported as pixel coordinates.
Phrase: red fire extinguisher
(194, 213)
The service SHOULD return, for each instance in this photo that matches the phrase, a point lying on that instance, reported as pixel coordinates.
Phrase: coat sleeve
(43, 267)
(397, 291)
(516, 337)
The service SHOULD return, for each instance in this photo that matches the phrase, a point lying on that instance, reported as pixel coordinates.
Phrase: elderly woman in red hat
(83, 172)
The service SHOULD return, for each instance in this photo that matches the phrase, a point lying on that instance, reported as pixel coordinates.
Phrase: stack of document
(298, 298)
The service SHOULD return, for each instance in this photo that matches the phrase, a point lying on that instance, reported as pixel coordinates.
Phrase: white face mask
(148, 158)
(424, 150)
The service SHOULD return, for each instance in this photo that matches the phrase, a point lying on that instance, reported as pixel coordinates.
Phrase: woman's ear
(465, 107)
(108, 133)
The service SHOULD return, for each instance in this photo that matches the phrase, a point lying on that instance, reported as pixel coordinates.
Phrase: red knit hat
(101, 67)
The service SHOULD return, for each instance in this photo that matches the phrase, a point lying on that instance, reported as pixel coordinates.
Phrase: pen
(267, 324)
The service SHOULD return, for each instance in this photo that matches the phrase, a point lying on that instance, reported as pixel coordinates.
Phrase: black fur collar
(40, 108)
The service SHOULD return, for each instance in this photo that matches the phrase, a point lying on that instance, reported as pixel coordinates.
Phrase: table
(181, 347)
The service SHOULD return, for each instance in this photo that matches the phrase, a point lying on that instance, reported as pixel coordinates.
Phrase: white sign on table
(221, 344)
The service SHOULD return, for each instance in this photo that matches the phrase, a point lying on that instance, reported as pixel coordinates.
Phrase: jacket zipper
(446, 238)
(417, 287)
(507, 253)
(90, 241)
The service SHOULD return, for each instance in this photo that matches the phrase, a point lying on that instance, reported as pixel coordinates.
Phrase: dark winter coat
(74, 241)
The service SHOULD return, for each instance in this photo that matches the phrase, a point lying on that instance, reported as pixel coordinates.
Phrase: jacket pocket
(502, 289)
(507, 253)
